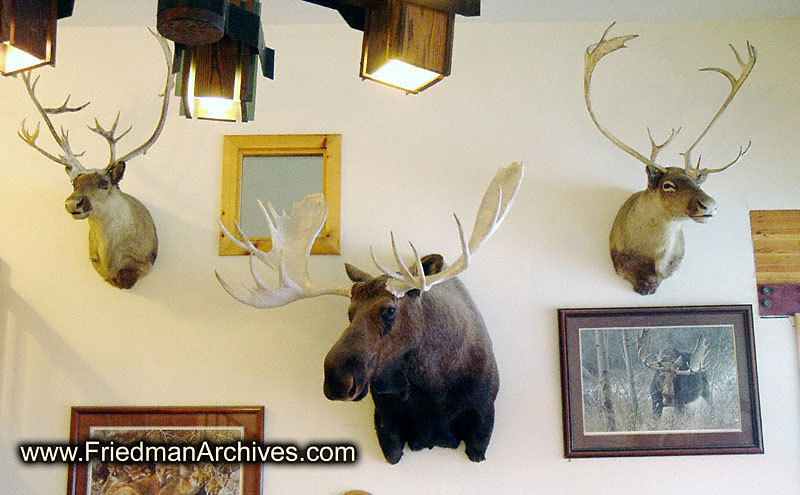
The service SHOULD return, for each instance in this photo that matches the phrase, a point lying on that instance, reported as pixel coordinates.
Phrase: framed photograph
(173, 426)
(280, 169)
(659, 381)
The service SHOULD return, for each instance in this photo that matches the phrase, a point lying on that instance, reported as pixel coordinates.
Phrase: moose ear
(654, 175)
(116, 171)
(432, 264)
(355, 274)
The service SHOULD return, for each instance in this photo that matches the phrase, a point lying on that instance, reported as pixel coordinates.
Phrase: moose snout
(344, 378)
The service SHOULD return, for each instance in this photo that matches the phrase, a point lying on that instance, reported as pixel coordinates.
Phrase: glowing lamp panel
(404, 75)
(13, 59)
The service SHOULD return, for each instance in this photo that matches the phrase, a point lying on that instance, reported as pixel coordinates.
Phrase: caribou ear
(654, 175)
(700, 179)
(116, 171)
(355, 274)
(432, 264)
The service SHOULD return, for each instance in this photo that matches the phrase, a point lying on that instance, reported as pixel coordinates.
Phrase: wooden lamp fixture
(217, 80)
(28, 33)
(407, 44)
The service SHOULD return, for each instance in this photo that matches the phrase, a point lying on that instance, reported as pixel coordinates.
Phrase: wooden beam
(776, 252)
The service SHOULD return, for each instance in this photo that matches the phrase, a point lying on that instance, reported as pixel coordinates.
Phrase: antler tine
(594, 53)
(31, 137)
(292, 236)
(496, 202)
(64, 108)
(164, 103)
(656, 148)
(736, 84)
(109, 136)
(69, 159)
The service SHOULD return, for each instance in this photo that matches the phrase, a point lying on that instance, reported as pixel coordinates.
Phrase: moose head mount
(415, 340)
(646, 239)
(122, 236)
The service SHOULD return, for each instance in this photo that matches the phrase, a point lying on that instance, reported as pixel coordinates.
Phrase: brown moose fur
(429, 366)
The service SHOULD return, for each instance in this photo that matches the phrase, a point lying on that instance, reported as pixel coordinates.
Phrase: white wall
(67, 338)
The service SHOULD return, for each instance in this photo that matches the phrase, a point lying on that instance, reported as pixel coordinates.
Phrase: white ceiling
(143, 12)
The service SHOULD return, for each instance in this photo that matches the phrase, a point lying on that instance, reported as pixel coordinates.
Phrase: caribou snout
(703, 209)
(78, 206)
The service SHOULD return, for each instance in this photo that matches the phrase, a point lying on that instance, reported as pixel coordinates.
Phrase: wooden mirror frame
(234, 148)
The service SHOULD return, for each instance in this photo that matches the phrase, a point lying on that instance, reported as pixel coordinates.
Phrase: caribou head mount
(415, 340)
(122, 236)
(646, 239)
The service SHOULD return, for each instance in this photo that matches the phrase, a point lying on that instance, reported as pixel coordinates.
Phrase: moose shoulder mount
(416, 339)
(122, 236)
(647, 236)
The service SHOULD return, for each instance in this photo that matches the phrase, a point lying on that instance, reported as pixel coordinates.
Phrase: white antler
(496, 202)
(168, 85)
(292, 236)
(736, 83)
(594, 53)
(698, 362)
(69, 159)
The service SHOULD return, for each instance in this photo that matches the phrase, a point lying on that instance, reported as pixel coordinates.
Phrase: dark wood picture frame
(587, 402)
(249, 418)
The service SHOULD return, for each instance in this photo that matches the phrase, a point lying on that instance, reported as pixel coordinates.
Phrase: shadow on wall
(20, 327)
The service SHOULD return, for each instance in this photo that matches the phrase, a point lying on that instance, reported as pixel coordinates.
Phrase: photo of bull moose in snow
(678, 380)
(659, 379)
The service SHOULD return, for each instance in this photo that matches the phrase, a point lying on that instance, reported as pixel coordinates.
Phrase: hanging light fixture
(217, 80)
(407, 44)
(28, 33)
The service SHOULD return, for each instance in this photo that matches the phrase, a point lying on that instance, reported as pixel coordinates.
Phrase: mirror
(280, 169)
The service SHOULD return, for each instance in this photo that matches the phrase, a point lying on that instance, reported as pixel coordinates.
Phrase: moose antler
(496, 202)
(698, 362)
(594, 53)
(70, 159)
(292, 236)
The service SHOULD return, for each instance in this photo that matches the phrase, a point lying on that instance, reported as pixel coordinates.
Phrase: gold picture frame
(322, 152)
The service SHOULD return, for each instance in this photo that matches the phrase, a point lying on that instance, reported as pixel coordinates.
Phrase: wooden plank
(775, 221)
(777, 243)
(776, 278)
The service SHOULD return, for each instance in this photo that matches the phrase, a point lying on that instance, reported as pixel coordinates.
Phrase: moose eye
(102, 184)
(387, 316)
(669, 186)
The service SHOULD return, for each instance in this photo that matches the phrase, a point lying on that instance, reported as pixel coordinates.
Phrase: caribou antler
(109, 135)
(168, 85)
(736, 83)
(292, 236)
(496, 202)
(70, 159)
(594, 53)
